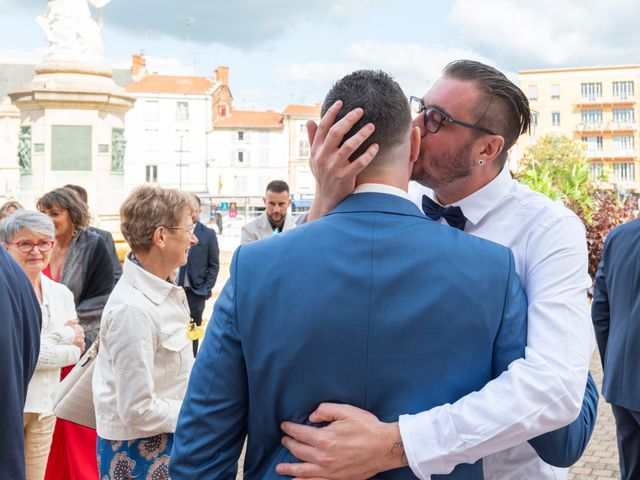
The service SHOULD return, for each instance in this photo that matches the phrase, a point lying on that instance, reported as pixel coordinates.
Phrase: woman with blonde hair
(145, 356)
(28, 237)
(9, 208)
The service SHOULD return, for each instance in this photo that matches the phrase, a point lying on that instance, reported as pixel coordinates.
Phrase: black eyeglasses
(26, 246)
(434, 118)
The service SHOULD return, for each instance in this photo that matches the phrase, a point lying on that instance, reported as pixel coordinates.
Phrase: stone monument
(72, 112)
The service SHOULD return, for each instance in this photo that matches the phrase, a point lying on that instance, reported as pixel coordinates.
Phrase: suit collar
(377, 202)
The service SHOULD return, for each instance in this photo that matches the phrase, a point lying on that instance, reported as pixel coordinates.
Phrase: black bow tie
(452, 215)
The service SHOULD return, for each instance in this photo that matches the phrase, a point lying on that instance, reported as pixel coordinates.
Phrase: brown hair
(68, 200)
(505, 109)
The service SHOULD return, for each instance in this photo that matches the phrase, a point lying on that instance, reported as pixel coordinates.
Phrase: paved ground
(600, 461)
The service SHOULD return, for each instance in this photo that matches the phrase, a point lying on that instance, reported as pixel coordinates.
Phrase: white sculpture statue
(72, 31)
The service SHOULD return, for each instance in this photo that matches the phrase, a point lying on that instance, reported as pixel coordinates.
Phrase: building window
(264, 157)
(241, 157)
(222, 110)
(555, 91)
(240, 136)
(623, 116)
(555, 119)
(151, 110)
(241, 186)
(264, 137)
(623, 90)
(302, 129)
(592, 118)
(591, 91)
(151, 173)
(594, 144)
(596, 171)
(533, 92)
(624, 172)
(623, 143)
(534, 119)
(303, 148)
(151, 138)
(182, 111)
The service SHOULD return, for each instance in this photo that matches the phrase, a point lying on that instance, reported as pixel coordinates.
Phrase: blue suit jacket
(21, 321)
(373, 305)
(615, 312)
(203, 261)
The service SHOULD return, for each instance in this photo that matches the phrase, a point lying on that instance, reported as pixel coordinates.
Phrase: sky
(290, 51)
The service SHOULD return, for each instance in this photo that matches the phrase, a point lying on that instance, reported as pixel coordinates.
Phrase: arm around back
(563, 447)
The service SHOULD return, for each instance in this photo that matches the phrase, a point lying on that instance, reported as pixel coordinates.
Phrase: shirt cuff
(423, 443)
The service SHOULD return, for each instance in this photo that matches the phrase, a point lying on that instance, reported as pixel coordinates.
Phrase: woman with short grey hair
(29, 237)
(145, 356)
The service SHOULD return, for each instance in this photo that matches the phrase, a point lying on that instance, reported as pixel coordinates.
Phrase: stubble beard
(439, 172)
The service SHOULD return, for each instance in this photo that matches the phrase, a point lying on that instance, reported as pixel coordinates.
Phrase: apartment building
(295, 118)
(595, 105)
(248, 150)
(167, 128)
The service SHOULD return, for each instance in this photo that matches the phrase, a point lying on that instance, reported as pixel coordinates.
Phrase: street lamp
(180, 164)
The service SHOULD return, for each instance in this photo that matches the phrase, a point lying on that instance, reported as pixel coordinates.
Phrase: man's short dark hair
(505, 109)
(277, 186)
(197, 199)
(82, 193)
(384, 105)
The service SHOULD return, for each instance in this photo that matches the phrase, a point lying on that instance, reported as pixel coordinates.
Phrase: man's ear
(416, 137)
(490, 148)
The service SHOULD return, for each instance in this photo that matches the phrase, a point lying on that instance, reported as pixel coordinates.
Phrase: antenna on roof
(188, 21)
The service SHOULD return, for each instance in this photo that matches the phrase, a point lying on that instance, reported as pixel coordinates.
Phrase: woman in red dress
(80, 260)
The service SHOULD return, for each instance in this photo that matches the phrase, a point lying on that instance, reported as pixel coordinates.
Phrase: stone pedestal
(74, 114)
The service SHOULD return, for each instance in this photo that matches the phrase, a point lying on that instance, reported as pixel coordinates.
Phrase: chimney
(222, 75)
(138, 67)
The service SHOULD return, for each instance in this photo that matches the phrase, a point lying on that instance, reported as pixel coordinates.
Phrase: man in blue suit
(615, 312)
(199, 275)
(350, 308)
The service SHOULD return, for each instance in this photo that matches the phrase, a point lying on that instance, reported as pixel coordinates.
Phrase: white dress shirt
(542, 391)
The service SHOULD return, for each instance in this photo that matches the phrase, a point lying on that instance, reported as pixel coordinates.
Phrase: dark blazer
(373, 305)
(113, 254)
(203, 261)
(615, 312)
(20, 336)
(88, 273)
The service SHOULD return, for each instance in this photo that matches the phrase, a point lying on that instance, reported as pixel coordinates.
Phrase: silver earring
(481, 162)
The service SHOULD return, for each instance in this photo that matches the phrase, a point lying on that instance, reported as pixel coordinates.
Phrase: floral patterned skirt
(142, 459)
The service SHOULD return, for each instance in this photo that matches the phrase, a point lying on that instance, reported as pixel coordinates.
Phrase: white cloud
(241, 23)
(415, 67)
(550, 32)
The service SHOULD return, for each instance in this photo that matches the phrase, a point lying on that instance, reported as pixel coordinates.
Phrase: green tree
(557, 167)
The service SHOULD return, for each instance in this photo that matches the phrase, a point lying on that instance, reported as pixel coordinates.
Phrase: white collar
(381, 188)
(480, 202)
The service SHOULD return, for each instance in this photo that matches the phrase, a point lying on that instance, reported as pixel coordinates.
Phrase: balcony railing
(605, 100)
